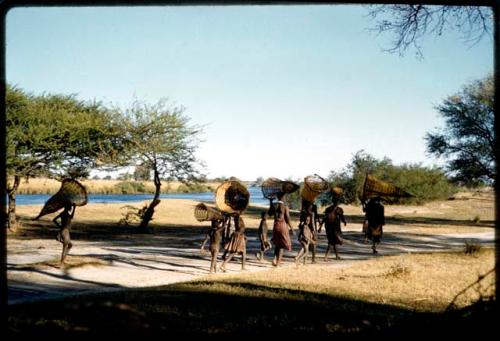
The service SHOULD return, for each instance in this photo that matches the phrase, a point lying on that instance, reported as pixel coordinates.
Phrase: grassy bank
(51, 186)
(381, 295)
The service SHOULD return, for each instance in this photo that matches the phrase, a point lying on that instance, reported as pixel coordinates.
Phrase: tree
(411, 23)
(55, 135)
(142, 173)
(468, 139)
(425, 183)
(162, 140)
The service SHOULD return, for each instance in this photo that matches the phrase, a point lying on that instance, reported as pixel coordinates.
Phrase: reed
(51, 186)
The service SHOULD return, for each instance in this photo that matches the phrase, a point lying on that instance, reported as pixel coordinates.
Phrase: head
(280, 195)
(68, 206)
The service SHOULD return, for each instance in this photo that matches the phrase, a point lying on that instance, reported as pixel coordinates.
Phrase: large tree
(410, 24)
(467, 141)
(55, 135)
(161, 140)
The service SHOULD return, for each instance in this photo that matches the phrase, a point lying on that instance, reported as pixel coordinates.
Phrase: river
(256, 197)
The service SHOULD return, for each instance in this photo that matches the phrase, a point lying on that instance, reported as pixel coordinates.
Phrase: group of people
(310, 224)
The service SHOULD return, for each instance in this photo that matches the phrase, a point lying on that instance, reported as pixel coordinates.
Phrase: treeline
(424, 183)
(50, 186)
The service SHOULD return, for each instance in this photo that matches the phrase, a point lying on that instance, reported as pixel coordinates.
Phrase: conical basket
(203, 212)
(314, 185)
(71, 192)
(375, 187)
(337, 192)
(232, 197)
(271, 187)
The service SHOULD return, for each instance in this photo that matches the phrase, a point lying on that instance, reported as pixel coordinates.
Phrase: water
(256, 197)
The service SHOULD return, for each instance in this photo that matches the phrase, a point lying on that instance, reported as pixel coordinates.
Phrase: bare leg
(327, 252)
(374, 247)
(336, 253)
(280, 255)
(243, 259)
(228, 258)
(313, 251)
(202, 249)
(276, 253)
(213, 263)
(67, 245)
(301, 253)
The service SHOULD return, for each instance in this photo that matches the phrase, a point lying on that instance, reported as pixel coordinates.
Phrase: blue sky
(284, 91)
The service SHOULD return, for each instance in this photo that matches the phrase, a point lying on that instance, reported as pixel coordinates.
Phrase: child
(334, 215)
(236, 244)
(305, 237)
(214, 234)
(264, 242)
(63, 236)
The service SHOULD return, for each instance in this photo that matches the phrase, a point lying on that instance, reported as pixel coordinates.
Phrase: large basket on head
(374, 187)
(71, 192)
(314, 185)
(232, 197)
(203, 212)
(337, 192)
(271, 187)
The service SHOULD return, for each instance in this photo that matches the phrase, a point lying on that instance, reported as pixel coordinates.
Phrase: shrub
(130, 187)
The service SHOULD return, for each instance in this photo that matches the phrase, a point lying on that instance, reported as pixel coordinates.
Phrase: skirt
(237, 243)
(334, 235)
(375, 233)
(281, 236)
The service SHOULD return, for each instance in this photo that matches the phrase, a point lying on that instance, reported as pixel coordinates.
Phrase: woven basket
(71, 192)
(232, 197)
(337, 192)
(314, 185)
(203, 212)
(271, 187)
(374, 187)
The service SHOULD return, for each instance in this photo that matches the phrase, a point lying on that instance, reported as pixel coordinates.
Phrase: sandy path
(131, 261)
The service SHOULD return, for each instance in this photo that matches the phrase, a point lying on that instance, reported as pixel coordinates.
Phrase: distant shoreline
(51, 186)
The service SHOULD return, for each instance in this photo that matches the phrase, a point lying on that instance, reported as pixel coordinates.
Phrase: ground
(421, 245)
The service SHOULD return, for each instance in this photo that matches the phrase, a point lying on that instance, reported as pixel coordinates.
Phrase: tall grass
(51, 186)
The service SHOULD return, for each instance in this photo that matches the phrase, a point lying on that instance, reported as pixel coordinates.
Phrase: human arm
(287, 219)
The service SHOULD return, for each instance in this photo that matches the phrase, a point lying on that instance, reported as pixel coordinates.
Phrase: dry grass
(70, 263)
(51, 186)
(422, 282)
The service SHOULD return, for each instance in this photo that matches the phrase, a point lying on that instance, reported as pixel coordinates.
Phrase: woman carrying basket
(281, 228)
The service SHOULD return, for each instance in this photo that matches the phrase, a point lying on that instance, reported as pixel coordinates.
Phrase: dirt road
(131, 261)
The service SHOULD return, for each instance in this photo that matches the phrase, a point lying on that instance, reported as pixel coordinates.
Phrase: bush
(130, 187)
(425, 183)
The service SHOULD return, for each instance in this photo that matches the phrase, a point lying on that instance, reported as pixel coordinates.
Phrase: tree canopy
(409, 24)
(467, 140)
(161, 139)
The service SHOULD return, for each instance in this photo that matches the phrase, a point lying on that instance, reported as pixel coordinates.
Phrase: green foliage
(194, 188)
(130, 187)
(58, 135)
(425, 183)
(468, 139)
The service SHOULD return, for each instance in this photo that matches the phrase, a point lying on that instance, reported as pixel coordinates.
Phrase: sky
(282, 91)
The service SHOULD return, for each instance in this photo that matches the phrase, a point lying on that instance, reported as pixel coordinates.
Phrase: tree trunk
(148, 215)
(12, 223)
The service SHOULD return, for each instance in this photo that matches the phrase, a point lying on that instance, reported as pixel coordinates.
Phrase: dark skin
(214, 235)
(239, 228)
(342, 219)
(310, 212)
(63, 222)
(302, 255)
(281, 211)
(264, 245)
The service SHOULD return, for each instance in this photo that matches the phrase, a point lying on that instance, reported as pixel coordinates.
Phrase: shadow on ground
(196, 309)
